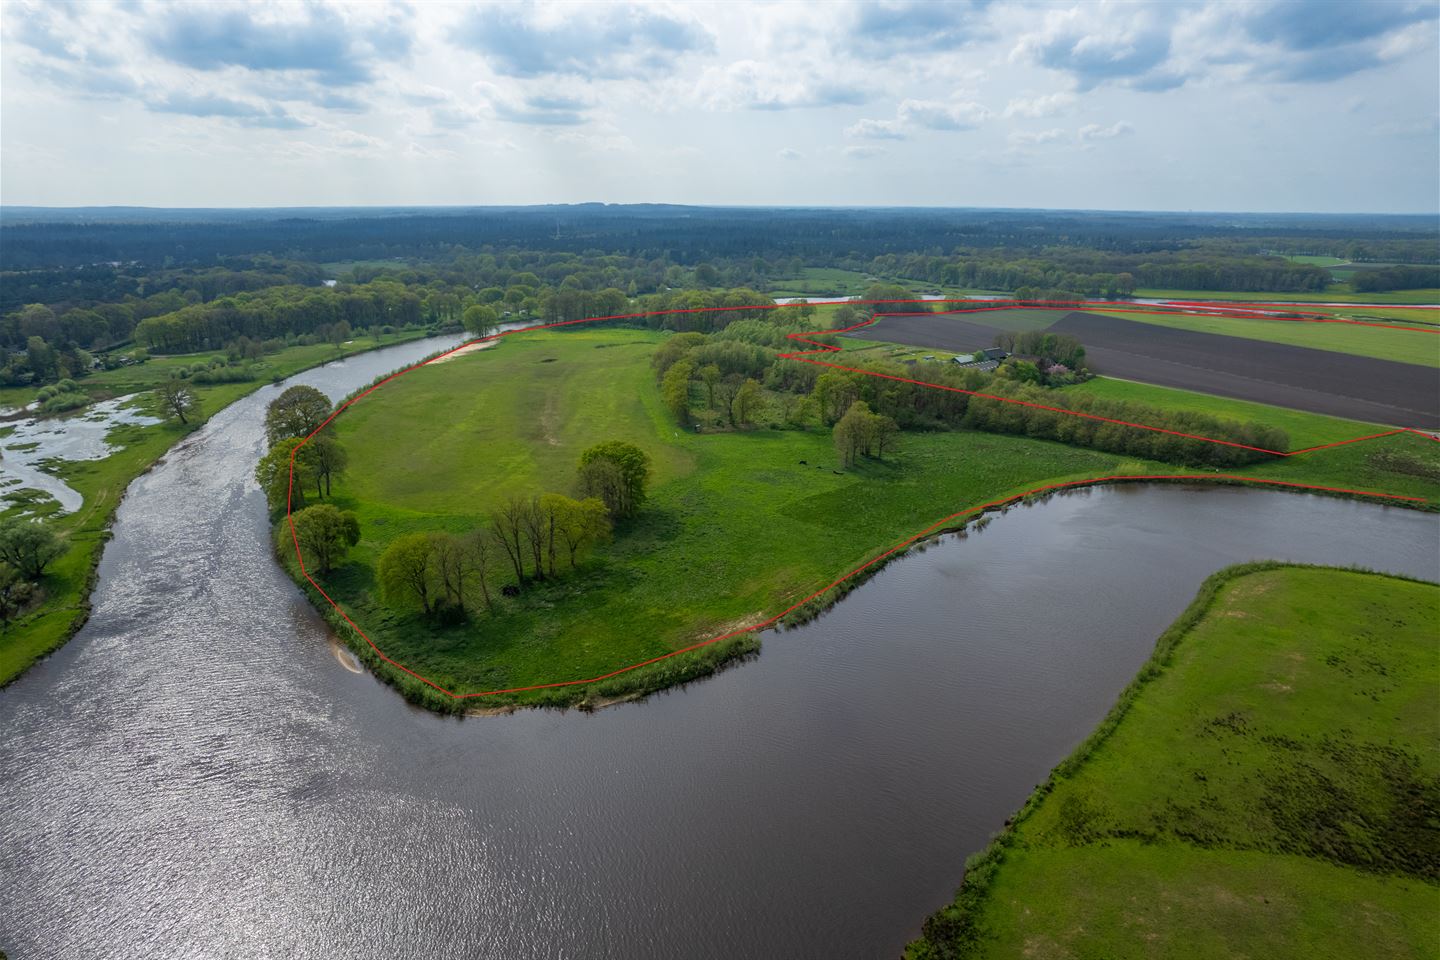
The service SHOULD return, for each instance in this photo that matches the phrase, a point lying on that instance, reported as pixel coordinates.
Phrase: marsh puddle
(28, 444)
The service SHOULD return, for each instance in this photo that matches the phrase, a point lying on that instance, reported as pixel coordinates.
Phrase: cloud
(789, 153)
(875, 130)
(752, 85)
(893, 28)
(241, 112)
(942, 115)
(1049, 105)
(1093, 131)
(1099, 44)
(864, 153)
(320, 43)
(546, 109)
(1318, 43)
(602, 42)
(1021, 138)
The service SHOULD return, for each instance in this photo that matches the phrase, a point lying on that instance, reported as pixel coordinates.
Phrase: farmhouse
(983, 360)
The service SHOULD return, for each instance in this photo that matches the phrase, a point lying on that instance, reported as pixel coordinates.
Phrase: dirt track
(1321, 381)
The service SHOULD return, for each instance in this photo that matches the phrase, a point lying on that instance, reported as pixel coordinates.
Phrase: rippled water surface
(197, 775)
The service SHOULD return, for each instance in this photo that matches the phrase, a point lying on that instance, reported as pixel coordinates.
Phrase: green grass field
(749, 522)
(1305, 429)
(1266, 788)
(1317, 261)
(1406, 346)
(102, 483)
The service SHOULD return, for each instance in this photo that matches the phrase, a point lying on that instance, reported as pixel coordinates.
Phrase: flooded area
(26, 446)
(201, 772)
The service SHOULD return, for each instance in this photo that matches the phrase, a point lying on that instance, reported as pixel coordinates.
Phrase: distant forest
(77, 286)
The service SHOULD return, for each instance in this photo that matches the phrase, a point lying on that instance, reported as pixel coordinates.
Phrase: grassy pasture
(1261, 789)
(748, 521)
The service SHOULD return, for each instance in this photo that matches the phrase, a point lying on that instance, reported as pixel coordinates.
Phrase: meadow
(1261, 789)
(740, 525)
(102, 483)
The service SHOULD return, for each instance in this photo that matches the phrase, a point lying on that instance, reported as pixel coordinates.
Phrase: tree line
(693, 367)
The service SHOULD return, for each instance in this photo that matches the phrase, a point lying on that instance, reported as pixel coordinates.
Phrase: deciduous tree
(29, 546)
(617, 472)
(407, 571)
(325, 534)
(177, 399)
(295, 413)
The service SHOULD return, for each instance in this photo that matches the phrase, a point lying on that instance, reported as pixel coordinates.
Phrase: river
(197, 775)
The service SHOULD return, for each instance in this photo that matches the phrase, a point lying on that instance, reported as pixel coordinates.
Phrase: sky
(1232, 106)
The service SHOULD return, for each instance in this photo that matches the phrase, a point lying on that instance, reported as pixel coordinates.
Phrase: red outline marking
(1212, 309)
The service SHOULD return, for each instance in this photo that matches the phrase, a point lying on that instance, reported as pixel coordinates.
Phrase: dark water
(196, 775)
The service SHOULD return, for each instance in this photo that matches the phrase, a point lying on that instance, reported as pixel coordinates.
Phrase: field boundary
(806, 356)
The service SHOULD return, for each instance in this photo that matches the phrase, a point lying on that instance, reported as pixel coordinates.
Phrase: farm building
(982, 360)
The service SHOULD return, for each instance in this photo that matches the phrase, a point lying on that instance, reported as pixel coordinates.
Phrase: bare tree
(508, 528)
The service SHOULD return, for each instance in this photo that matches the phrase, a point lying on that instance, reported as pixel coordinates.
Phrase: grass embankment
(740, 525)
(102, 483)
(1267, 786)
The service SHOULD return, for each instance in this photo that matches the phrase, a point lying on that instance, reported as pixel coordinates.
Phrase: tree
(710, 375)
(328, 458)
(850, 433)
(508, 528)
(616, 472)
(675, 390)
(451, 564)
(480, 319)
(29, 546)
(883, 433)
(295, 413)
(325, 534)
(272, 473)
(177, 399)
(747, 400)
(535, 530)
(15, 593)
(476, 545)
(584, 524)
(406, 571)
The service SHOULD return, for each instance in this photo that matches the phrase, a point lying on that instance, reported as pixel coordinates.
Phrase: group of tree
(297, 429)
(531, 538)
(1375, 280)
(793, 394)
(861, 431)
(27, 549)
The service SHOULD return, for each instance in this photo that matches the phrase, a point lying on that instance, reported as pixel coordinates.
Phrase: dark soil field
(1320, 381)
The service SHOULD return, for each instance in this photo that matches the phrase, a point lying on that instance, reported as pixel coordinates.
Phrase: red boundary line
(1212, 309)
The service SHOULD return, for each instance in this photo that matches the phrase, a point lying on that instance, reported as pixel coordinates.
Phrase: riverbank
(1301, 701)
(530, 408)
(102, 483)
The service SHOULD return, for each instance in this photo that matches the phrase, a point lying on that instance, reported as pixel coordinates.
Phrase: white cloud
(1021, 138)
(864, 153)
(1094, 131)
(1049, 105)
(943, 115)
(789, 153)
(875, 130)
